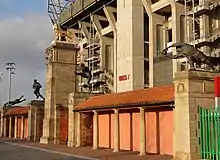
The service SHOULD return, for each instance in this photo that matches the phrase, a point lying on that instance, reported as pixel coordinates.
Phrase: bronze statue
(16, 101)
(37, 86)
(193, 55)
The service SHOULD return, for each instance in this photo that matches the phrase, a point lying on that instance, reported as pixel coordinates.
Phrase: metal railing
(209, 133)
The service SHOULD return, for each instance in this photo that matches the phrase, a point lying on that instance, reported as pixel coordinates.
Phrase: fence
(209, 133)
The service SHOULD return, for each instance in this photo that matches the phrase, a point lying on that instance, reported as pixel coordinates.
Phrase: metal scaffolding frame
(194, 10)
(93, 59)
(55, 7)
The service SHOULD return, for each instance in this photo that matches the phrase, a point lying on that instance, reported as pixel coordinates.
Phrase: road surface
(14, 152)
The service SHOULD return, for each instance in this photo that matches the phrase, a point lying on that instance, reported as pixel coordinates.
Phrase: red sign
(124, 77)
(217, 86)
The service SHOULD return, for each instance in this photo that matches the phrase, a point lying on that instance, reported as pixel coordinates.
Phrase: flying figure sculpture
(16, 101)
(193, 55)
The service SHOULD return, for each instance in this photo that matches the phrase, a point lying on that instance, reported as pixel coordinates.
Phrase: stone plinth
(192, 89)
(60, 81)
(35, 120)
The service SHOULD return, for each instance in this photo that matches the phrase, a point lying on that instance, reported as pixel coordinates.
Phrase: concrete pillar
(5, 127)
(142, 132)
(192, 89)
(10, 127)
(60, 82)
(95, 130)
(31, 121)
(16, 127)
(130, 45)
(22, 127)
(116, 130)
(189, 30)
(204, 26)
(177, 11)
(72, 121)
(2, 124)
(78, 137)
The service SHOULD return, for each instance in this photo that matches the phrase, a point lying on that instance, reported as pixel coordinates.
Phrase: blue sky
(26, 31)
(19, 7)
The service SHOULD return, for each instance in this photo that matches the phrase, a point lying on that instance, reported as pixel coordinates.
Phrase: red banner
(217, 86)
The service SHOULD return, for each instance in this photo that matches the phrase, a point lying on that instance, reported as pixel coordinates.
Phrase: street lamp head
(10, 63)
(10, 68)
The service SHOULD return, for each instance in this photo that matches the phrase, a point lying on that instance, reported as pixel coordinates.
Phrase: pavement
(9, 151)
(16, 149)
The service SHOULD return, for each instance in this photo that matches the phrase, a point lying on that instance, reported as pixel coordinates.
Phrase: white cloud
(23, 40)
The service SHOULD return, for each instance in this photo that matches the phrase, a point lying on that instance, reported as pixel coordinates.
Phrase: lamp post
(10, 68)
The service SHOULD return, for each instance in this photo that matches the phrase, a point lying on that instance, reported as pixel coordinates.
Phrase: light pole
(10, 68)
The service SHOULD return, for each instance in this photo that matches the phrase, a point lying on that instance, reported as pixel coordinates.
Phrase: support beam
(10, 127)
(5, 127)
(16, 127)
(78, 137)
(160, 5)
(22, 127)
(83, 26)
(96, 24)
(110, 17)
(177, 11)
(106, 30)
(95, 130)
(142, 132)
(116, 130)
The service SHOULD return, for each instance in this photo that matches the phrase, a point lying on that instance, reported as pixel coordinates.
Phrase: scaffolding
(195, 33)
(194, 11)
(93, 59)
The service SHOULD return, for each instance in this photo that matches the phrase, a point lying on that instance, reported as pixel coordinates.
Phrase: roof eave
(169, 103)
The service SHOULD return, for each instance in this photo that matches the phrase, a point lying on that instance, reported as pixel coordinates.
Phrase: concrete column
(10, 127)
(189, 30)
(142, 132)
(116, 130)
(204, 26)
(177, 11)
(22, 127)
(31, 123)
(192, 89)
(2, 124)
(78, 137)
(130, 44)
(5, 127)
(71, 122)
(95, 130)
(16, 127)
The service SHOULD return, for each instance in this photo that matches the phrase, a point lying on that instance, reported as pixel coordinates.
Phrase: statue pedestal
(35, 120)
(60, 81)
(192, 89)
